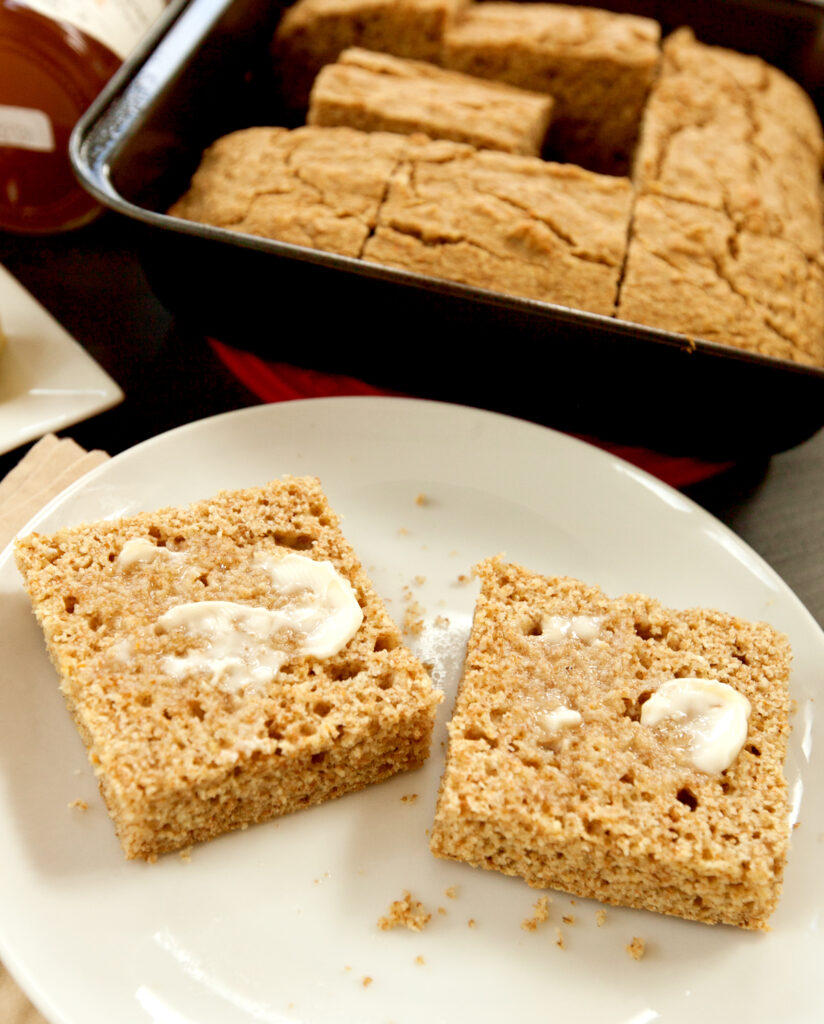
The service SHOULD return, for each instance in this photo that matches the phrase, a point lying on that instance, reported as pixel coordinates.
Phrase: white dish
(278, 923)
(47, 381)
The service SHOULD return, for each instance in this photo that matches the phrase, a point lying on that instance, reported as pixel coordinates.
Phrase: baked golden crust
(312, 33)
(518, 225)
(378, 92)
(182, 760)
(606, 808)
(597, 65)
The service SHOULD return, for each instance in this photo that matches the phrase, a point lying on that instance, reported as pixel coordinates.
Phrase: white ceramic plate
(278, 923)
(47, 380)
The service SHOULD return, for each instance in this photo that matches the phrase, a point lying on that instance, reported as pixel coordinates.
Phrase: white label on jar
(118, 24)
(26, 128)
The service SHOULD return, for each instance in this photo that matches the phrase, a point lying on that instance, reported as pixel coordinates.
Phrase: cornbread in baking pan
(312, 33)
(512, 224)
(730, 132)
(556, 772)
(728, 231)
(319, 188)
(597, 65)
(690, 270)
(378, 92)
(226, 662)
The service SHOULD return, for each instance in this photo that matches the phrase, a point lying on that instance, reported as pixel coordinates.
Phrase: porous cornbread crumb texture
(378, 92)
(183, 759)
(727, 234)
(319, 188)
(312, 33)
(598, 67)
(606, 807)
(511, 224)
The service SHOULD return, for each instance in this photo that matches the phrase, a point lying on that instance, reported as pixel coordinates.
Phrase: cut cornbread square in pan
(378, 92)
(690, 269)
(512, 224)
(726, 130)
(226, 662)
(316, 187)
(312, 33)
(598, 67)
(619, 750)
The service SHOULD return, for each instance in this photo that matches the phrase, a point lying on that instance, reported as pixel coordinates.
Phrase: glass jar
(55, 57)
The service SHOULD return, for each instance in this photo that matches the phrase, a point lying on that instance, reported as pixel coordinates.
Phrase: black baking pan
(207, 70)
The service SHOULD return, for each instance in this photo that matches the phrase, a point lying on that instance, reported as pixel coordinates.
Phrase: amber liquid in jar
(55, 57)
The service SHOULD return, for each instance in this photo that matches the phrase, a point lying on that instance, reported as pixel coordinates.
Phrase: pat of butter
(552, 722)
(139, 551)
(247, 645)
(713, 715)
(556, 628)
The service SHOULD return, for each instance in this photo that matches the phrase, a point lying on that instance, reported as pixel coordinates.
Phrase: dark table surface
(92, 282)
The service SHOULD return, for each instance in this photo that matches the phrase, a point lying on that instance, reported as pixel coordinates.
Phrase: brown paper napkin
(48, 467)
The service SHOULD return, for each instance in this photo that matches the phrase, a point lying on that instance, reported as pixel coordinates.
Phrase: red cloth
(280, 382)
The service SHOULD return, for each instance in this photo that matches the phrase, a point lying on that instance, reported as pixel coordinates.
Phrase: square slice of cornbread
(691, 270)
(378, 92)
(512, 224)
(730, 132)
(226, 662)
(312, 33)
(597, 65)
(316, 187)
(556, 773)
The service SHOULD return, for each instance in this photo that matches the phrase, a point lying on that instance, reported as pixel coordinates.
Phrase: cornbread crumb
(471, 922)
(408, 912)
(451, 892)
(442, 910)
(559, 939)
(420, 580)
(568, 919)
(600, 917)
(636, 948)
(419, 960)
(79, 805)
(442, 622)
(409, 798)
(541, 908)
(367, 981)
(422, 499)
(186, 855)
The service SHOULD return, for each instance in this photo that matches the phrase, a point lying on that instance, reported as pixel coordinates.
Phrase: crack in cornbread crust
(519, 225)
(319, 188)
(727, 231)
(690, 270)
(728, 131)
(181, 761)
(606, 809)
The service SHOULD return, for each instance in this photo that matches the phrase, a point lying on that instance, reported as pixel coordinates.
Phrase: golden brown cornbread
(597, 65)
(320, 188)
(690, 270)
(181, 760)
(727, 234)
(518, 225)
(608, 808)
(728, 131)
(312, 33)
(377, 92)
